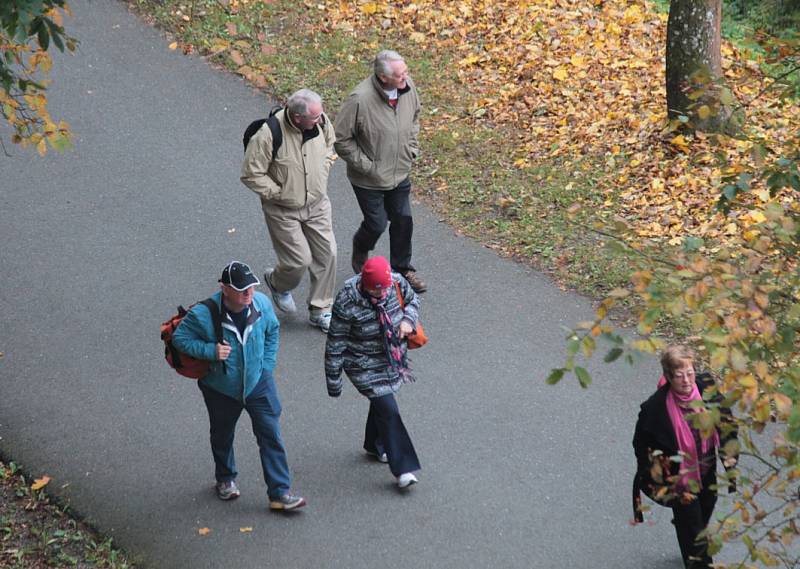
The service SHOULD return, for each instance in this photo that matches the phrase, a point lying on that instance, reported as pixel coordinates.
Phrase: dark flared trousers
(385, 432)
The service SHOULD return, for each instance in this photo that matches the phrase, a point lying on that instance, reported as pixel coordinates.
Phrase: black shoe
(358, 259)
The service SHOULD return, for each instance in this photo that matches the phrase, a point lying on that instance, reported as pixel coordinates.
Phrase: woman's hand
(730, 462)
(405, 329)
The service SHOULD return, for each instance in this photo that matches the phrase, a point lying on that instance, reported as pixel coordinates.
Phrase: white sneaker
(321, 320)
(406, 480)
(382, 457)
(283, 300)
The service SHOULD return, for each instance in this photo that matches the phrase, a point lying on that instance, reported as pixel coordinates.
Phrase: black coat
(654, 432)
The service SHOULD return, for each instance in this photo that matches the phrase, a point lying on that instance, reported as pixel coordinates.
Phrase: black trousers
(385, 432)
(690, 520)
(382, 207)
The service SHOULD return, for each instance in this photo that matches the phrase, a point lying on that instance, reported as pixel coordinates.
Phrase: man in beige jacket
(377, 133)
(293, 188)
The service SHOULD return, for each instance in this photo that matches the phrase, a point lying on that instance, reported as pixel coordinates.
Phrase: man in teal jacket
(240, 378)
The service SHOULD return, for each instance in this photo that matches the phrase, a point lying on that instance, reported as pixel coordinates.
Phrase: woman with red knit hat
(367, 340)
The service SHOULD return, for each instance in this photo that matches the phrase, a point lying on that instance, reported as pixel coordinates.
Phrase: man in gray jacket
(377, 132)
(293, 186)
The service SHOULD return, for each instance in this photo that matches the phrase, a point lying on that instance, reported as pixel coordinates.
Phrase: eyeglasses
(683, 375)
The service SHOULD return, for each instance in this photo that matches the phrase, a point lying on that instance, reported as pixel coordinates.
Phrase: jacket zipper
(397, 146)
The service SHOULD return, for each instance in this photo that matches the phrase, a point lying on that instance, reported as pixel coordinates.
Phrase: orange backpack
(186, 365)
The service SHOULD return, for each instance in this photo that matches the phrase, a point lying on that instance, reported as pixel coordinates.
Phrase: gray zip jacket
(377, 141)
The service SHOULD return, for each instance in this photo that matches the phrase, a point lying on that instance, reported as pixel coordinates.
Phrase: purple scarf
(392, 344)
(690, 468)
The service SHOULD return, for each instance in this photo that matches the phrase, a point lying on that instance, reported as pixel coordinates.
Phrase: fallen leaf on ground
(40, 483)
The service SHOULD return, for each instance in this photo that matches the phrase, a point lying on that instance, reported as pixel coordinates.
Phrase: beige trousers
(303, 240)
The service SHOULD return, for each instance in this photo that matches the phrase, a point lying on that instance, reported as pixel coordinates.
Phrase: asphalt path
(100, 244)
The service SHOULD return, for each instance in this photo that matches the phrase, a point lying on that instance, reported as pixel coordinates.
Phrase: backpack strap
(400, 298)
(251, 130)
(216, 321)
(274, 128)
(216, 317)
(277, 133)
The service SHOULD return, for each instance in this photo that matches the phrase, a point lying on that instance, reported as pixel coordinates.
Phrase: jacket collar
(307, 134)
(382, 94)
(227, 322)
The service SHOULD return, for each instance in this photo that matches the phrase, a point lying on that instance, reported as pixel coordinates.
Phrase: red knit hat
(376, 274)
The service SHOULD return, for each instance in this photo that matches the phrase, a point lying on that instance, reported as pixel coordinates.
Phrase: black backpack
(274, 127)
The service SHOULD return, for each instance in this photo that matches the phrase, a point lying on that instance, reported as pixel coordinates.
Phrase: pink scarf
(690, 468)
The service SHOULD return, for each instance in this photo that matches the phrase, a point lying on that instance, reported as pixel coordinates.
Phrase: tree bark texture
(694, 59)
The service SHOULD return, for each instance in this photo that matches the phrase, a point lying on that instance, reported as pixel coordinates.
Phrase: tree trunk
(694, 63)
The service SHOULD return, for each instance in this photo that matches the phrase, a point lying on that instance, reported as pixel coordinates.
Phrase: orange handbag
(415, 339)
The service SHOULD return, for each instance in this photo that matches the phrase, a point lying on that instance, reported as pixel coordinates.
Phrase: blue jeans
(385, 432)
(264, 409)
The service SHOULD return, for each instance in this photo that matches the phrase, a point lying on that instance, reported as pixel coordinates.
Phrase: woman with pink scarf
(676, 462)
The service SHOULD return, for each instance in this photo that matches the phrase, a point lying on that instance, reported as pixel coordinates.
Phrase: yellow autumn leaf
(748, 381)
(577, 61)
(632, 14)
(41, 147)
(369, 8)
(204, 531)
(40, 483)
(757, 216)
(245, 530)
(561, 74)
(417, 37)
(704, 112)
(173, 45)
(680, 142)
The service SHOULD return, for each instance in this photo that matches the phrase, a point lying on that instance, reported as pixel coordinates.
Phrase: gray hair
(383, 61)
(299, 101)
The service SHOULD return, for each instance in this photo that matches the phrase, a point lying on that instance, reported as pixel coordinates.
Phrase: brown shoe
(416, 283)
(358, 259)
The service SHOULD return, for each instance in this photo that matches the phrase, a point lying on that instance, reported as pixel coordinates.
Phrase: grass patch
(525, 213)
(36, 532)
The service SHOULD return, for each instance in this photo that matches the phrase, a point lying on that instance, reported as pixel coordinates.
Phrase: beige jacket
(299, 174)
(379, 143)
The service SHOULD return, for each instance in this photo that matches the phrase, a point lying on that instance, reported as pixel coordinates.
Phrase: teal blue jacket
(252, 355)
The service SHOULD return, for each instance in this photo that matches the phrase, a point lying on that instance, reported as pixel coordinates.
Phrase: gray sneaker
(283, 300)
(227, 490)
(287, 502)
(321, 320)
